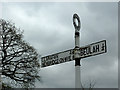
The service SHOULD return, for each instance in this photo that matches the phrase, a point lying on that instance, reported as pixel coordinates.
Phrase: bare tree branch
(20, 61)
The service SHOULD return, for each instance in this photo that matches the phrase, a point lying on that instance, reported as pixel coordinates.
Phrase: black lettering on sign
(56, 56)
(85, 51)
(94, 50)
(43, 64)
(50, 57)
(90, 50)
(69, 58)
(47, 57)
(56, 61)
(49, 63)
(53, 62)
(61, 60)
(42, 59)
(103, 47)
(65, 59)
(97, 48)
(46, 63)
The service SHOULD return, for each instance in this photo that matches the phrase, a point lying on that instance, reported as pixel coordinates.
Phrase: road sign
(75, 54)
(93, 49)
(65, 56)
(57, 58)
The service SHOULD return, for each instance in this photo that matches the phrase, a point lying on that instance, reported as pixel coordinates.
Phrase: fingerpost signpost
(75, 54)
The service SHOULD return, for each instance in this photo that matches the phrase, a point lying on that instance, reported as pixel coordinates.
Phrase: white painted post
(77, 52)
(77, 77)
(77, 64)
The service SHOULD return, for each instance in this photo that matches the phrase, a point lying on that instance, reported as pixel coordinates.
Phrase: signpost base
(77, 77)
(77, 74)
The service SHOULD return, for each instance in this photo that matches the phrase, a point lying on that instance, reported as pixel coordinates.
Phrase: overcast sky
(49, 28)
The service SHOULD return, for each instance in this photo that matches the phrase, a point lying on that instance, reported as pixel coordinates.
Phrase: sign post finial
(77, 26)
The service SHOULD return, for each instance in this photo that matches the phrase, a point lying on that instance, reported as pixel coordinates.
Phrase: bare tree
(90, 86)
(20, 61)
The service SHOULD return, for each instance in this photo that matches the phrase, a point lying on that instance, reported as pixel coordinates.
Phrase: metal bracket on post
(76, 51)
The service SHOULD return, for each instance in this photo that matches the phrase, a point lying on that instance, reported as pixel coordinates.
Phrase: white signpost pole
(77, 51)
(75, 54)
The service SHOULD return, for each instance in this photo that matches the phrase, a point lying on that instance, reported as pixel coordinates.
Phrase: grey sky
(48, 27)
